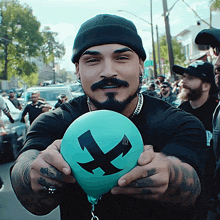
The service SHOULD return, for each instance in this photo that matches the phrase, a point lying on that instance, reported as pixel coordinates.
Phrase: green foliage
(51, 48)
(179, 57)
(215, 5)
(31, 80)
(19, 33)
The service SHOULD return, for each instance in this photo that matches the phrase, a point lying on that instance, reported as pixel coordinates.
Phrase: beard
(187, 93)
(113, 104)
(165, 93)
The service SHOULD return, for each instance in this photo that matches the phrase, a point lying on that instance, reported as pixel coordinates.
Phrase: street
(10, 207)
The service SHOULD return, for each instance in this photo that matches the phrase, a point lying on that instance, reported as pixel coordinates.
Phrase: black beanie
(107, 29)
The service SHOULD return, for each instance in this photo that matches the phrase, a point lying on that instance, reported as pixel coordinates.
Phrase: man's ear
(77, 70)
(141, 63)
(206, 86)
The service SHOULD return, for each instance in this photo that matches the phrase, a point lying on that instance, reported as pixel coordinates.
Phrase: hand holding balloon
(100, 147)
(149, 180)
(50, 169)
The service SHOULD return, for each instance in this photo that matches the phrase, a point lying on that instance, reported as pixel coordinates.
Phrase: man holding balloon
(112, 153)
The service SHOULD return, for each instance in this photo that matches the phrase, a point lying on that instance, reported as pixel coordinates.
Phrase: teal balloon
(100, 147)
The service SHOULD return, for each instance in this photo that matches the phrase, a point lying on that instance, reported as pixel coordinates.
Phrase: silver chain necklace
(137, 109)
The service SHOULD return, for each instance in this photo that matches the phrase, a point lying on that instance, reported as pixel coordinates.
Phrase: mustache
(106, 81)
(185, 87)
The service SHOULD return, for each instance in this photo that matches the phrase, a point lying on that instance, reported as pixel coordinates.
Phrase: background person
(166, 182)
(151, 90)
(211, 37)
(5, 109)
(33, 109)
(166, 93)
(13, 100)
(62, 98)
(198, 88)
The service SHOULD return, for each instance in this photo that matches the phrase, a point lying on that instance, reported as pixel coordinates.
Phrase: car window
(76, 88)
(50, 95)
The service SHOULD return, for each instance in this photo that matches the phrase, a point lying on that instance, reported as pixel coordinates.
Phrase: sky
(66, 16)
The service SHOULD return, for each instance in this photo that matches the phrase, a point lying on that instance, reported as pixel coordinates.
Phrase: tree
(51, 49)
(179, 57)
(215, 4)
(20, 40)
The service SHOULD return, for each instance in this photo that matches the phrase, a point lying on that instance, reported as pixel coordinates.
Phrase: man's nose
(109, 69)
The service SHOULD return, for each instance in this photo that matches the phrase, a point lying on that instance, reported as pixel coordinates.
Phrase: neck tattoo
(135, 112)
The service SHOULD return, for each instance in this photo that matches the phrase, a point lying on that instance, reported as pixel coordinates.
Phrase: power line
(197, 14)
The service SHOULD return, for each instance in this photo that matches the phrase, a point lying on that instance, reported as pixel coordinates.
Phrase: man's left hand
(148, 180)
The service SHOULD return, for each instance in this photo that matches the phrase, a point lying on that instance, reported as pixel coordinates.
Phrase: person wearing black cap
(211, 37)
(62, 98)
(166, 93)
(199, 89)
(109, 58)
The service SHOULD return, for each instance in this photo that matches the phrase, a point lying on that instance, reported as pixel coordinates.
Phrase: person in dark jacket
(211, 37)
(166, 93)
(109, 59)
(199, 89)
(62, 98)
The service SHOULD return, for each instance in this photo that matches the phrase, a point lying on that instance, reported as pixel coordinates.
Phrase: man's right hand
(50, 170)
(35, 172)
(22, 120)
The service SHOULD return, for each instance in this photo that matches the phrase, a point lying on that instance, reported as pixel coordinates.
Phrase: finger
(137, 173)
(153, 181)
(147, 155)
(134, 191)
(52, 155)
(46, 170)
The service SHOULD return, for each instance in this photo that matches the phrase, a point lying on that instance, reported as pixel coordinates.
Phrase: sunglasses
(164, 87)
(216, 51)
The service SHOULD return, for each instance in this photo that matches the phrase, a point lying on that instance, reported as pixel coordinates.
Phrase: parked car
(49, 93)
(76, 89)
(14, 134)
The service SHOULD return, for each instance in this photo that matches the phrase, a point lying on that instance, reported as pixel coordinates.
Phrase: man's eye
(92, 60)
(189, 78)
(122, 58)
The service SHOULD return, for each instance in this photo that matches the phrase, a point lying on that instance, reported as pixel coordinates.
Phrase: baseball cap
(208, 37)
(11, 91)
(199, 69)
(166, 83)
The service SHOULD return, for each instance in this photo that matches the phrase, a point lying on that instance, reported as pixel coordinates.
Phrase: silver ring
(50, 189)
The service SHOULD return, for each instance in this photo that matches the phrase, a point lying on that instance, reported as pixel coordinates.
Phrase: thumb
(147, 155)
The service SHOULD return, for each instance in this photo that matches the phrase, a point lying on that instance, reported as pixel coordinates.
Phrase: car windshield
(76, 88)
(50, 95)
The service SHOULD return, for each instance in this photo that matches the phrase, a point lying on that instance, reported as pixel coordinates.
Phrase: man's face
(217, 72)
(11, 95)
(64, 99)
(165, 89)
(34, 97)
(110, 75)
(191, 87)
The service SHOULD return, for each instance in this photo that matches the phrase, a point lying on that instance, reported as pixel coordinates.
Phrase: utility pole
(169, 43)
(158, 50)
(152, 36)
